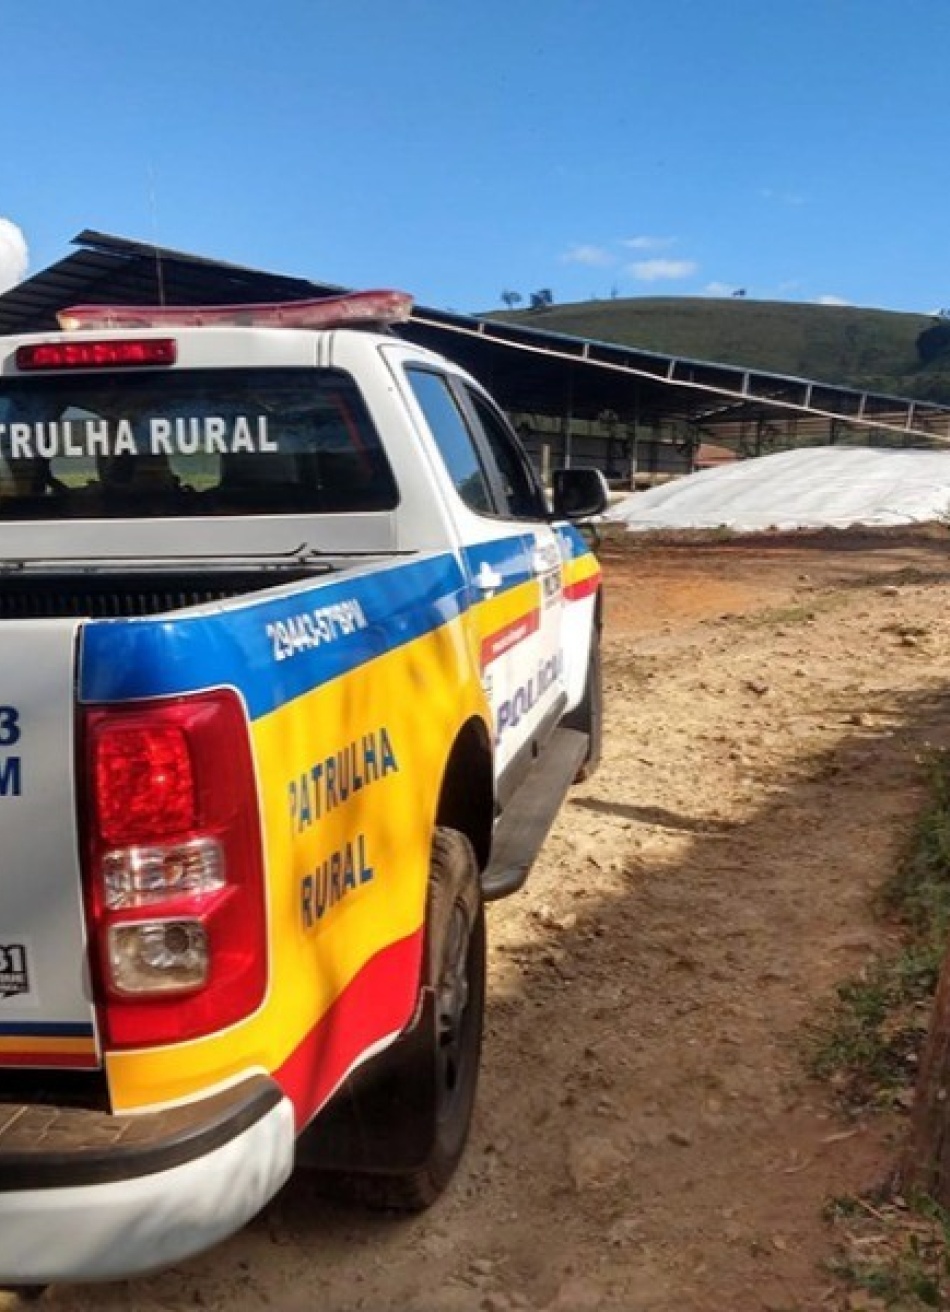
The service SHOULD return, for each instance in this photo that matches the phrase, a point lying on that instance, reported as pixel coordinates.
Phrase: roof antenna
(153, 207)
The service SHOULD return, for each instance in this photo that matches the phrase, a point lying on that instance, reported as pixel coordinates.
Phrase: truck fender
(356, 1134)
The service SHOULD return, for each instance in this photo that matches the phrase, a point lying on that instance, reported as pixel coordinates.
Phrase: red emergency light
(372, 307)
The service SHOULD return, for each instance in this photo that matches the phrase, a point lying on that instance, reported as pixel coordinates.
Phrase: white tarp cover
(816, 487)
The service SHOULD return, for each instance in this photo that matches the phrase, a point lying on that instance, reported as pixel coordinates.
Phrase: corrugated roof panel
(528, 369)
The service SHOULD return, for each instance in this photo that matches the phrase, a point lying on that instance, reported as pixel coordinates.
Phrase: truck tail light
(173, 868)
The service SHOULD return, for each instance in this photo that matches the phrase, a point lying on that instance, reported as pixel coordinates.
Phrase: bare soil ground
(646, 1135)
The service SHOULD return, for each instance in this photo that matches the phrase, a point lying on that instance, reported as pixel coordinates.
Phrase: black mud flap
(355, 1132)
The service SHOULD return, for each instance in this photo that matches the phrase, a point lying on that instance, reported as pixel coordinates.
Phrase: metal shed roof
(529, 370)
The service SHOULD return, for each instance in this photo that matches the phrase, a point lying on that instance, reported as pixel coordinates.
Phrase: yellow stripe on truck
(349, 819)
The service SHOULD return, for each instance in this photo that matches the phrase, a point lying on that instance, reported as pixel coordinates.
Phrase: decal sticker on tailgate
(46, 1013)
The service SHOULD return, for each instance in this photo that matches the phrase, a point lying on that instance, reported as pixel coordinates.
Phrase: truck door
(513, 563)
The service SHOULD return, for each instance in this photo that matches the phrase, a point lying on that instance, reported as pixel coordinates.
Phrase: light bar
(376, 307)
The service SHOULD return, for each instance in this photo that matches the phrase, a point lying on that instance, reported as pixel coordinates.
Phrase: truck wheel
(588, 716)
(456, 967)
(420, 1102)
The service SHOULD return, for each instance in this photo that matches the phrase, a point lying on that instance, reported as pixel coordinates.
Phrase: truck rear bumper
(99, 1197)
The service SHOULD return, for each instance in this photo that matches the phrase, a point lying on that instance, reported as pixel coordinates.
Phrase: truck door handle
(487, 579)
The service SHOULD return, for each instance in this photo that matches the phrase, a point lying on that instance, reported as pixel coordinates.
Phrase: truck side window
(521, 488)
(453, 438)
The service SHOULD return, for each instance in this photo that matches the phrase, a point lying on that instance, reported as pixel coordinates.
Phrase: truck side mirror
(579, 493)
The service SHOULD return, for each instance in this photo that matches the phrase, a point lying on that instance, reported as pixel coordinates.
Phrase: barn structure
(639, 415)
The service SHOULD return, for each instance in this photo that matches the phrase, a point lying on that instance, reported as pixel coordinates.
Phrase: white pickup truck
(296, 665)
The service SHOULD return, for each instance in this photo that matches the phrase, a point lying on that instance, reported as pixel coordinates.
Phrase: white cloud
(14, 256)
(832, 300)
(662, 270)
(649, 243)
(593, 256)
(719, 288)
(647, 270)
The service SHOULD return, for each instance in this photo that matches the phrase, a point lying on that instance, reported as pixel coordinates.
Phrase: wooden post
(566, 421)
(926, 1164)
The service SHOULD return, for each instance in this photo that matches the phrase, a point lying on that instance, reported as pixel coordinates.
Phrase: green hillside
(872, 349)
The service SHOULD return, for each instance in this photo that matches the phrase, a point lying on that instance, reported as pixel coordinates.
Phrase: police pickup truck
(297, 662)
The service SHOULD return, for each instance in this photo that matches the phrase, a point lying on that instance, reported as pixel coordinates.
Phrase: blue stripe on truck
(47, 1029)
(510, 555)
(571, 541)
(271, 650)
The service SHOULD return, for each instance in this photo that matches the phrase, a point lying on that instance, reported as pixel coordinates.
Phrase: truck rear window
(195, 442)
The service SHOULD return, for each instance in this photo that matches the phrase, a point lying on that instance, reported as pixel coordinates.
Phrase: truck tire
(456, 966)
(588, 715)
(421, 1106)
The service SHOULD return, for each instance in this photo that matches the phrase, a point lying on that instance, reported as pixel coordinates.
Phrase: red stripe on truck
(582, 588)
(379, 1000)
(509, 636)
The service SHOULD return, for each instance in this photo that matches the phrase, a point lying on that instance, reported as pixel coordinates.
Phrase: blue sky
(796, 149)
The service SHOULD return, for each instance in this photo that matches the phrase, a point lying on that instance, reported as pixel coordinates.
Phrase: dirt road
(645, 1136)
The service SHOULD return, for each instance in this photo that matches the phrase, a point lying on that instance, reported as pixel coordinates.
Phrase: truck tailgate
(46, 1013)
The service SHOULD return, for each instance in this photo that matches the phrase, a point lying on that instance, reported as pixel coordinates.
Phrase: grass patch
(894, 1251)
(868, 1043)
(919, 893)
(796, 612)
(775, 616)
(868, 1046)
